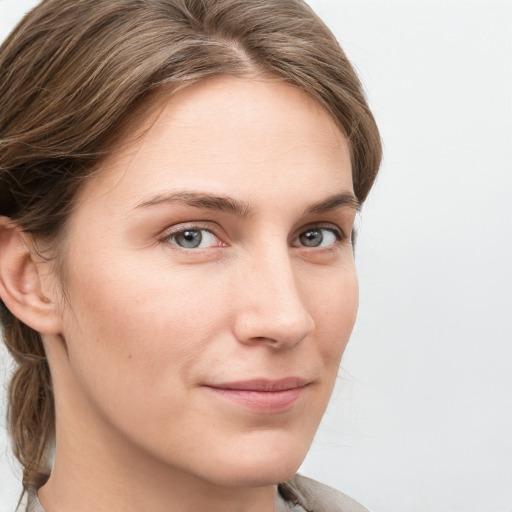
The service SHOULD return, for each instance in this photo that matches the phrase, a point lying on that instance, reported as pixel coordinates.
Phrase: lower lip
(268, 402)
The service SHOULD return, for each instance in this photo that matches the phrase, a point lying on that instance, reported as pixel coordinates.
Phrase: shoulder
(316, 497)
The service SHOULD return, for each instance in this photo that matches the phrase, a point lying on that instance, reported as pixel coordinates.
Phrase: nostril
(265, 339)
(273, 343)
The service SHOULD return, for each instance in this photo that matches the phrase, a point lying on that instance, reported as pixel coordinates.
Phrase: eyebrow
(243, 209)
(200, 200)
(346, 199)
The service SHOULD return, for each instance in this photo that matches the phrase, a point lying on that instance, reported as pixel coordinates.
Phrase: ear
(20, 282)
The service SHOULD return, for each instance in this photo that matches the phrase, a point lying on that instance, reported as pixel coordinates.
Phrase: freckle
(129, 356)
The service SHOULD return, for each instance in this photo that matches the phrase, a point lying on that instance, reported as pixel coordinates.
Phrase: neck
(97, 468)
(94, 481)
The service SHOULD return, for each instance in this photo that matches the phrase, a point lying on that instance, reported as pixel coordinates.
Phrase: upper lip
(262, 384)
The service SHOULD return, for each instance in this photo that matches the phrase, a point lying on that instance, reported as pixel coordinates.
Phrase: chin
(260, 466)
(257, 475)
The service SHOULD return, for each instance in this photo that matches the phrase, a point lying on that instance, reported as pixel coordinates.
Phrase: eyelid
(336, 230)
(211, 227)
(214, 229)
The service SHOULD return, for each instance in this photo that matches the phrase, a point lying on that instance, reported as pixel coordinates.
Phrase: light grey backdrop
(422, 417)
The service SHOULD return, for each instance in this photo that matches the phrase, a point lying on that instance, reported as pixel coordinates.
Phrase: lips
(262, 395)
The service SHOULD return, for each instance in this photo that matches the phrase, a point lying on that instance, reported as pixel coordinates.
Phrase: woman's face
(210, 285)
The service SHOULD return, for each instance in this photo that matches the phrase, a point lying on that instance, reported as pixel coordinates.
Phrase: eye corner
(193, 237)
(318, 237)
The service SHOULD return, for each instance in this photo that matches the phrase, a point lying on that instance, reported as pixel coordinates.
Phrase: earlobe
(20, 282)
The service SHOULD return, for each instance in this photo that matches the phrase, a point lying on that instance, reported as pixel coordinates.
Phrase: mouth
(262, 395)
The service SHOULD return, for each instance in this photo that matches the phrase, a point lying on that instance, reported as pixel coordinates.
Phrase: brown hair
(73, 73)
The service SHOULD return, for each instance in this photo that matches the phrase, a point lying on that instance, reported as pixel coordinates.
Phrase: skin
(146, 327)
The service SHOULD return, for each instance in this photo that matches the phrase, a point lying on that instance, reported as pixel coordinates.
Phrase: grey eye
(311, 238)
(194, 239)
(318, 237)
(189, 239)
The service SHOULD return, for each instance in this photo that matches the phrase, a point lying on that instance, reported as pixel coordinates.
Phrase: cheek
(335, 310)
(132, 329)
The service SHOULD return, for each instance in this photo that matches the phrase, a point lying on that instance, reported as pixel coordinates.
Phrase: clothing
(299, 494)
(304, 494)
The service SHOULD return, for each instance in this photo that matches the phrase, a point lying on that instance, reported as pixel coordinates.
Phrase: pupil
(312, 238)
(189, 239)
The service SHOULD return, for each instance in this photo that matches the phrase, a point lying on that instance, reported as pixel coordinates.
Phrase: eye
(318, 237)
(193, 238)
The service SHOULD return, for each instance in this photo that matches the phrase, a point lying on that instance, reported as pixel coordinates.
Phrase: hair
(73, 74)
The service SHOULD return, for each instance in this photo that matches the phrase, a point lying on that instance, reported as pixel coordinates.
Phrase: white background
(421, 420)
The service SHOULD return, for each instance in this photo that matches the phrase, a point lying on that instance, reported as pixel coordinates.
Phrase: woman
(179, 184)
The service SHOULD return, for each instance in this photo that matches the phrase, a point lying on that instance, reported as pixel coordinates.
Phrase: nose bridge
(271, 307)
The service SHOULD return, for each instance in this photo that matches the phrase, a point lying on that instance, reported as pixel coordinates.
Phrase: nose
(269, 307)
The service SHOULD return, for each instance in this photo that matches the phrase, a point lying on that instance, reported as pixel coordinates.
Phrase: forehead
(225, 132)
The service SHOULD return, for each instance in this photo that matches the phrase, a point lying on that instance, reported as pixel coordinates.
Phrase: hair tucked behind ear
(74, 73)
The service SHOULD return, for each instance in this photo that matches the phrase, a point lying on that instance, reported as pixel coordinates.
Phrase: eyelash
(198, 227)
(336, 232)
(169, 236)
